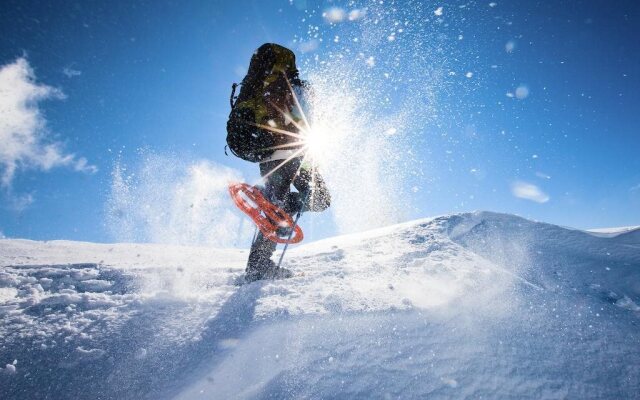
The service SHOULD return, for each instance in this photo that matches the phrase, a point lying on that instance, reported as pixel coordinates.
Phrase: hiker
(263, 127)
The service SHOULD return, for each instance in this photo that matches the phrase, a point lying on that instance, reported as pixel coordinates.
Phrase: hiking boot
(252, 276)
(268, 270)
(277, 273)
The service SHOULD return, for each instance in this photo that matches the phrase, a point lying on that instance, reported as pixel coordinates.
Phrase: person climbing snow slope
(266, 125)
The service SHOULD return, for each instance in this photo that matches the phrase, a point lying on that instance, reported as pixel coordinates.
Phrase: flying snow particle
(171, 200)
(469, 74)
(390, 131)
(510, 46)
(529, 191)
(307, 47)
(438, 11)
(450, 382)
(140, 353)
(542, 175)
(357, 13)
(370, 61)
(493, 4)
(522, 92)
(334, 15)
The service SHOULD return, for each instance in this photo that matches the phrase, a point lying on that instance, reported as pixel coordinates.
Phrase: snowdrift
(479, 305)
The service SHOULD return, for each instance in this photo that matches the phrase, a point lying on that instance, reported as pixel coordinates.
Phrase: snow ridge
(468, 305)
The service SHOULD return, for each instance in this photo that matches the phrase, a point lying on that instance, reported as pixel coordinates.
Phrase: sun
(317, 141)
(313, 139)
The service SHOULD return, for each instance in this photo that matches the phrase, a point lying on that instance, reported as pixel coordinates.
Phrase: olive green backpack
(259, 109)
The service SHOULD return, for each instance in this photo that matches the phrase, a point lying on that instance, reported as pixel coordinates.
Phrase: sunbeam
(313, 138)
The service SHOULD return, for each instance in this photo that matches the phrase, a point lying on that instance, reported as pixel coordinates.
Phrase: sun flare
(316, 136)
(317, 140)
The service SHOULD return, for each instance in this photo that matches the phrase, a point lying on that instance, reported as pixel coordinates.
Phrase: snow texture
(478, 305)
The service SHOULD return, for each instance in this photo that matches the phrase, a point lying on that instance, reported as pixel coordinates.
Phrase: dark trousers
(312, 195)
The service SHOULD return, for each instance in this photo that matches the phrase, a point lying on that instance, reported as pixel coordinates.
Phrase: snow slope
(479, 305)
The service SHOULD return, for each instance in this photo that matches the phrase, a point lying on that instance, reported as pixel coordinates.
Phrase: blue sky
(521, 107)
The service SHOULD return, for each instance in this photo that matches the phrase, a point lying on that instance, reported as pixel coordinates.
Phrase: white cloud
(529, 191)
(23, 132)
(82, 165)
(18, 203)
(70, 72)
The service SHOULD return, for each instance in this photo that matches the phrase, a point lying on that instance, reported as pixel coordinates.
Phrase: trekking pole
(289, 238)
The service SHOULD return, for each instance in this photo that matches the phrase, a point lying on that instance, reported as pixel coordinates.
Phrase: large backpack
(265, 97)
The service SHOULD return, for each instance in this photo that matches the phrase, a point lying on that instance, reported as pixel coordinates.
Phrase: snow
(610, 232)
(522, 92)
(334, 15)
(357, 14)
(510, 46)
(460, 306)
